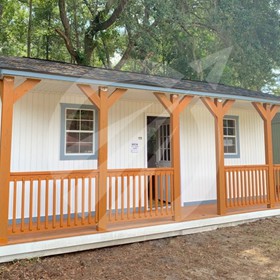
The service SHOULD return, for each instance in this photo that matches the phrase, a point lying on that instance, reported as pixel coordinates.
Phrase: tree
(181, 38)
(101, 16)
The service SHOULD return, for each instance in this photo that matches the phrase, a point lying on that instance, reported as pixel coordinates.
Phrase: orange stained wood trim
(267, 113)
(55, 174)
(103, 102)
(102, 161)
(94, 96)
(175, 105)
(9, 95)
(246, 185)
(1, 89)
(218, 108)
(5, 154)
(25, 87)
(91, 94)
(115, 96)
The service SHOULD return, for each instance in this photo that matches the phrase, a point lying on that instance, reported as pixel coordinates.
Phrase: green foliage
(173, 37)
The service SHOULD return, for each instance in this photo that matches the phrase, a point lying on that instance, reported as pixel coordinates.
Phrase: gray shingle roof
(73, 70)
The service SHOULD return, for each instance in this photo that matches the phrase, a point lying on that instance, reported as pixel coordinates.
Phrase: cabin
(93, 157)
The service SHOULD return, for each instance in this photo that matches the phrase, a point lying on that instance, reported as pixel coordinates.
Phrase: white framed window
(78, 132)
(231, 137)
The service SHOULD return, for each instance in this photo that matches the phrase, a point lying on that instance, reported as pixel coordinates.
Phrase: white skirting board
(99, 240)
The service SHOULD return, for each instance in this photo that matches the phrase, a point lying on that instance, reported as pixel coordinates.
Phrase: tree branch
(66, 35)
(113, 18)
(67, 43)
(91, 10)
(125, 56)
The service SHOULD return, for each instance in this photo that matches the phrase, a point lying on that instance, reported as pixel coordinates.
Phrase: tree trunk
(29, 30)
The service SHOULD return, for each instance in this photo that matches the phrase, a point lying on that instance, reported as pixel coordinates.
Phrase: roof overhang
(37, 75)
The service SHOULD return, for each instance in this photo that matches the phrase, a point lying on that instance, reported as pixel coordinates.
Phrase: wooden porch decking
(189, 213)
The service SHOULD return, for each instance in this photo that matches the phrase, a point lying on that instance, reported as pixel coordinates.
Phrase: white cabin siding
(36, 139)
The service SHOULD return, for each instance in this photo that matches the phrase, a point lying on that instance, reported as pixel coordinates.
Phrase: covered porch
(39, 205)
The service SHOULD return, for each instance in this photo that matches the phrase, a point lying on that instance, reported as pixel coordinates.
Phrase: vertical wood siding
(36, 139)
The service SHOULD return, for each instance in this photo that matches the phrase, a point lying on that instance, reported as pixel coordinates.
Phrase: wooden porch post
(9, 95)
(218, 108)
(267, 113)
(175, 106)
(103, 101)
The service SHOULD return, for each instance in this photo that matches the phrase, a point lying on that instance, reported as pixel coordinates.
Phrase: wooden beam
(5, 154)
(103, 102)
(91, 94)
(267, 113)
(175, 106)
(167, 104)
(210, 105)
(103, 160)
(115, 96)
(227, 105)
(25, 87)
(273, 111)
(260, 109)
(218, 108)
(184, 102)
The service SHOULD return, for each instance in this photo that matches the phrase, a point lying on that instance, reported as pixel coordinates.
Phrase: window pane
(231, 123)
(86, 115)
(230, 145)
(229, 141)
(87, 125)
(72, 137)
(232, 150)
(72, 148)
(72, 125)
(225, 123)
(72, 114)
(231, 131)
(86, 137)
(86, 148)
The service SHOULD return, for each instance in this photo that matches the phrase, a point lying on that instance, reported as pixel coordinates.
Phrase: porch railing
(246, 185)
(52, 200)
(140, 194)
(41, 201)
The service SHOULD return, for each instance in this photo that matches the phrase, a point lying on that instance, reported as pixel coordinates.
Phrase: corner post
(218, 108)
(267, 113)
(7, 94)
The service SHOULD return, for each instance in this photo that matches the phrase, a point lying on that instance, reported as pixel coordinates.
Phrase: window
(231, 137)
(78, 134)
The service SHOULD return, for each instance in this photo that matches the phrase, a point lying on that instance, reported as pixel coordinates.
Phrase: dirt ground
(250, 251)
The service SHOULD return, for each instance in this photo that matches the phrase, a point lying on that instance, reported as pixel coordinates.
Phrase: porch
(111, 188)
(72, 240)
(64, 204)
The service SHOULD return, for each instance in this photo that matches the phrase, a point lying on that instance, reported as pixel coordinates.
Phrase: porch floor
(189, 213)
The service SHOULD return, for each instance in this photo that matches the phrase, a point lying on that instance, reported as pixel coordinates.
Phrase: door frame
(160, 115)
